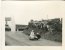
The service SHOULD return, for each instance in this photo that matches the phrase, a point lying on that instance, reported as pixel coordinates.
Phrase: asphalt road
(20, 39)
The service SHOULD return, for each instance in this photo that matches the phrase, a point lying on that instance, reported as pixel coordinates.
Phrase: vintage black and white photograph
(33, 23)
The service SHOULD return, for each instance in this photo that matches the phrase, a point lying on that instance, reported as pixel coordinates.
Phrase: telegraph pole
(47, 17)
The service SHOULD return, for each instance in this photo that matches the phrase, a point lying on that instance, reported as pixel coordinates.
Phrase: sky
(23, 11)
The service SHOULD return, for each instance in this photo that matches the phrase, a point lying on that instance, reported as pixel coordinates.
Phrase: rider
(38, 36)
(31, 37)
(34, 36)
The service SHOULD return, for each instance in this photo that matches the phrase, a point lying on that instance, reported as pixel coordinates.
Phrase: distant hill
(20, 27)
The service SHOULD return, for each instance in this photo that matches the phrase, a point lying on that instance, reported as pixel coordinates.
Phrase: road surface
(20, 39)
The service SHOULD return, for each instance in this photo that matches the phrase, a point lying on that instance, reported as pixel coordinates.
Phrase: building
(10, 23)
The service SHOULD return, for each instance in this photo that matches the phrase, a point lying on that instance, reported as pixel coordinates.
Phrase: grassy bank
(55, 36)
